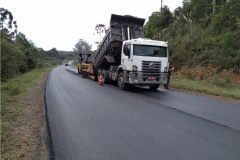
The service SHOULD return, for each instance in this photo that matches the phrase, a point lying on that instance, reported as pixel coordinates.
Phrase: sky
(61, 24)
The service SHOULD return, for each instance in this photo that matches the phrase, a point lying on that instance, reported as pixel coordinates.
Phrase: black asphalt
(92, 122)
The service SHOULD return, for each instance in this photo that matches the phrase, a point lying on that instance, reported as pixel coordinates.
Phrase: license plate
(151, 78)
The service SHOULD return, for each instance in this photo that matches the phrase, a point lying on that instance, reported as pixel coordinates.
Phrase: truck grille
(151, 69)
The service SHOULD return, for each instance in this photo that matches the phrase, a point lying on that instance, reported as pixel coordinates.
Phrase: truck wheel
(99, 72)
(154, 86)
(82, 73)
(121, 84)
(105, 77)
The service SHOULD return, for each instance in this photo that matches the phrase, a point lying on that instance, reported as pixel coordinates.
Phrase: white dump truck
(128, 58)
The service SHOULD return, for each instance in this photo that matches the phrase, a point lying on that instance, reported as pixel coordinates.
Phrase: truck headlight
(135, 68)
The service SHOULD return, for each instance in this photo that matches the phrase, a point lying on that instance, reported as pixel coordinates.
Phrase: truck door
(126, 55)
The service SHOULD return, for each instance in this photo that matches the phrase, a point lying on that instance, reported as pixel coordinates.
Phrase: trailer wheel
(154, 87)
(121, 84)
(105, 77)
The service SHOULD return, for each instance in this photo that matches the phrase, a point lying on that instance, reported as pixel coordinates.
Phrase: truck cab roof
(147, 41)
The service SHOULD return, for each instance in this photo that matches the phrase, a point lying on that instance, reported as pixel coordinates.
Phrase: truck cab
(144, 62)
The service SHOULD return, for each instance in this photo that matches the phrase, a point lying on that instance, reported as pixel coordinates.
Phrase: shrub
(12, 60)
(188, 73)
(223, 81)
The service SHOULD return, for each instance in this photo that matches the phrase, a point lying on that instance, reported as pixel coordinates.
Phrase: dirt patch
(236, 79)
(30, 131)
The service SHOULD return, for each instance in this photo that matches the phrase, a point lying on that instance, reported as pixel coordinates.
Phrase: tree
(158, 22)
(7, 27)
(166, 17)
(213, 7)
(82, 47)
(66, 55)
(100, 29)
(148, 30)
(177, 12)
(29, 49)
(53, 53)
(13, 60)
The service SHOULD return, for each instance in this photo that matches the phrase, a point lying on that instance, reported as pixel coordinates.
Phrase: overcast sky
(61, 23)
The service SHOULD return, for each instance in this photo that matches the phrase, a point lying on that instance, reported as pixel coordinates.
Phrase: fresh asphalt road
(92, 122)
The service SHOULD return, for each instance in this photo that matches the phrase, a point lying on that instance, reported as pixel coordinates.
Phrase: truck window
(153, 51)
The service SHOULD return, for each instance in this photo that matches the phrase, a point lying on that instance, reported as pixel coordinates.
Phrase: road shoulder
(30, 128)
(232, 100)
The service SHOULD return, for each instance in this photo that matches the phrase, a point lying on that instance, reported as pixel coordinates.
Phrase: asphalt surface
(92, 122)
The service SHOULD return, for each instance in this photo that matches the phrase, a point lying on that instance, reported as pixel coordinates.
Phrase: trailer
(128, 58)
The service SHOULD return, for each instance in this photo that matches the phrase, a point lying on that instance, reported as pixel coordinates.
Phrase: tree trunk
(213, 7)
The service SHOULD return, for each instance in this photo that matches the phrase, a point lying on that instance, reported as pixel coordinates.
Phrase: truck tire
(105, 77)
(99, 72)
(121, 84)
(154, 87)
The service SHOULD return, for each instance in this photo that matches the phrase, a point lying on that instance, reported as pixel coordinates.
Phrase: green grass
(14, 88)
(219, 88)
(11, 91)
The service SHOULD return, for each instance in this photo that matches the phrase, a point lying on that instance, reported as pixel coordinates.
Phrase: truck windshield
(153, 51)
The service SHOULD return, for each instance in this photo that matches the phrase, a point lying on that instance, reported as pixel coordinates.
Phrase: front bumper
(140, 78)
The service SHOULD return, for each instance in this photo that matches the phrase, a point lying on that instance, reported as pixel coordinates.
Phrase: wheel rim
(120, 81)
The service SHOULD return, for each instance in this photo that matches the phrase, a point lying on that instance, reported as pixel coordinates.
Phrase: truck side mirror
(170, 51)
(126, 49)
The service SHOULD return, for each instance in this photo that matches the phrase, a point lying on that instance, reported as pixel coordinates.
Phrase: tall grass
(218, 87)
(11, 91)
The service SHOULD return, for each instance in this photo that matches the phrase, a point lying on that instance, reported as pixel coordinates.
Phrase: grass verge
(16, 87)
(11, 91)
(230, 90)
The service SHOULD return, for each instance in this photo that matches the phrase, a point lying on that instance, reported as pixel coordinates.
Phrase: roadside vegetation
(218, 87)
(19, 54)
(205, 37)
(208, 80)
(23, 65)
(11, 93)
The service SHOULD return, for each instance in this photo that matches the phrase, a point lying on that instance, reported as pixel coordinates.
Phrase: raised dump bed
(121, 28)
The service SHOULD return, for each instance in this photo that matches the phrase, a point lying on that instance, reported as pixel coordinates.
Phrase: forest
(19, 54)
(203, 34)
